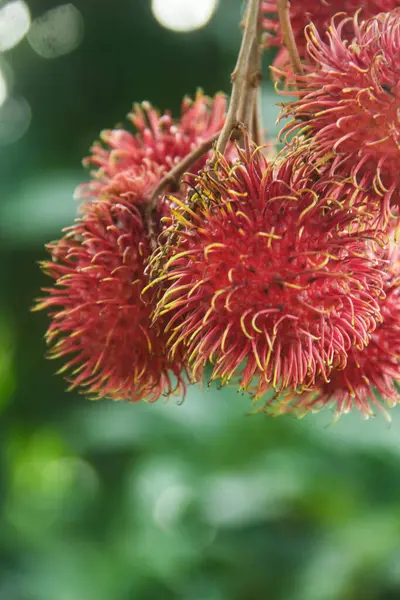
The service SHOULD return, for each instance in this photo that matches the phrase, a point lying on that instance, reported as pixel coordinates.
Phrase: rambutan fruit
(131, 164)
(100, 319)
(372, 375)
(100, 322)
(349, 106)
(320, 13)
(261, 278)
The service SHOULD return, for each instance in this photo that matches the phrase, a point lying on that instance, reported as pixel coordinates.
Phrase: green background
(193, 501)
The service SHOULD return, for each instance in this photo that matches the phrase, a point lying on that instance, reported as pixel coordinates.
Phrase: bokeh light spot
(15, 118)
(183, 15)
(3, 88)
(57, 32)
(15, 20)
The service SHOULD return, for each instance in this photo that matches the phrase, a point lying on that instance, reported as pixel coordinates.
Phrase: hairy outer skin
(320, 13)
(131, 163)
(100, 319)
(348, 108)
(100, 324)
(261, 272)
(371, 375)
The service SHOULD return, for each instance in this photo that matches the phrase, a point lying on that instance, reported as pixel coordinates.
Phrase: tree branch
(172, 177)
(242, 75)
(258, 126)
(242, 112)
(253, 117)
(289, 42)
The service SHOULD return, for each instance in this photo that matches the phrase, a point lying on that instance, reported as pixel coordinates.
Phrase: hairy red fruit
(349, 106)
(261, 272)
(320, 13)
(102, 319)
(370, 376)
(99, 321)
(131, 164)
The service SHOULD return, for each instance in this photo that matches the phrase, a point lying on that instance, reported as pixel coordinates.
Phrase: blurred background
(199, 501)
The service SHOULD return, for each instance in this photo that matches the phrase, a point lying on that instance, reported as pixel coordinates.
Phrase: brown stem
(172, 177)
(241, 113)
(256, 121)
(242, 75)
(249, 113)
(258, 128)
(289, 42)
(248, 106)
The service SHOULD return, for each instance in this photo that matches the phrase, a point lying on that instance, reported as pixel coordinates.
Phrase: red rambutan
(102, 321)
(349, 105)
(99, 321)
(259, 271)
(320, 13)
(130, 165)
(371, 375)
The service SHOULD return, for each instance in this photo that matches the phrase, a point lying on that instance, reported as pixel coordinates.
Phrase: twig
(241, 113)
(172, 177)
(242, 75)
(254, 122)
(289, 42)
(258, 128)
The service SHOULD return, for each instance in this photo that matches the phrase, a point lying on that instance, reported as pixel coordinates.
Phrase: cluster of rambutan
(281, 274)
(101, 320)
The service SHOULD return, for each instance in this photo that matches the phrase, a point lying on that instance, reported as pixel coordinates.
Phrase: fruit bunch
(200, 253)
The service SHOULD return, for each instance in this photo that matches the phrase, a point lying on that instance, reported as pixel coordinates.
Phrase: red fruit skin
(371, 376)
(100, 324)
(260, 272)
(348, 108)
(320, 13)
(100, 317)
(131, 164)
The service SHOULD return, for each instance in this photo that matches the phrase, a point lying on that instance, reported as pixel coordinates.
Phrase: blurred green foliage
(199, 501)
